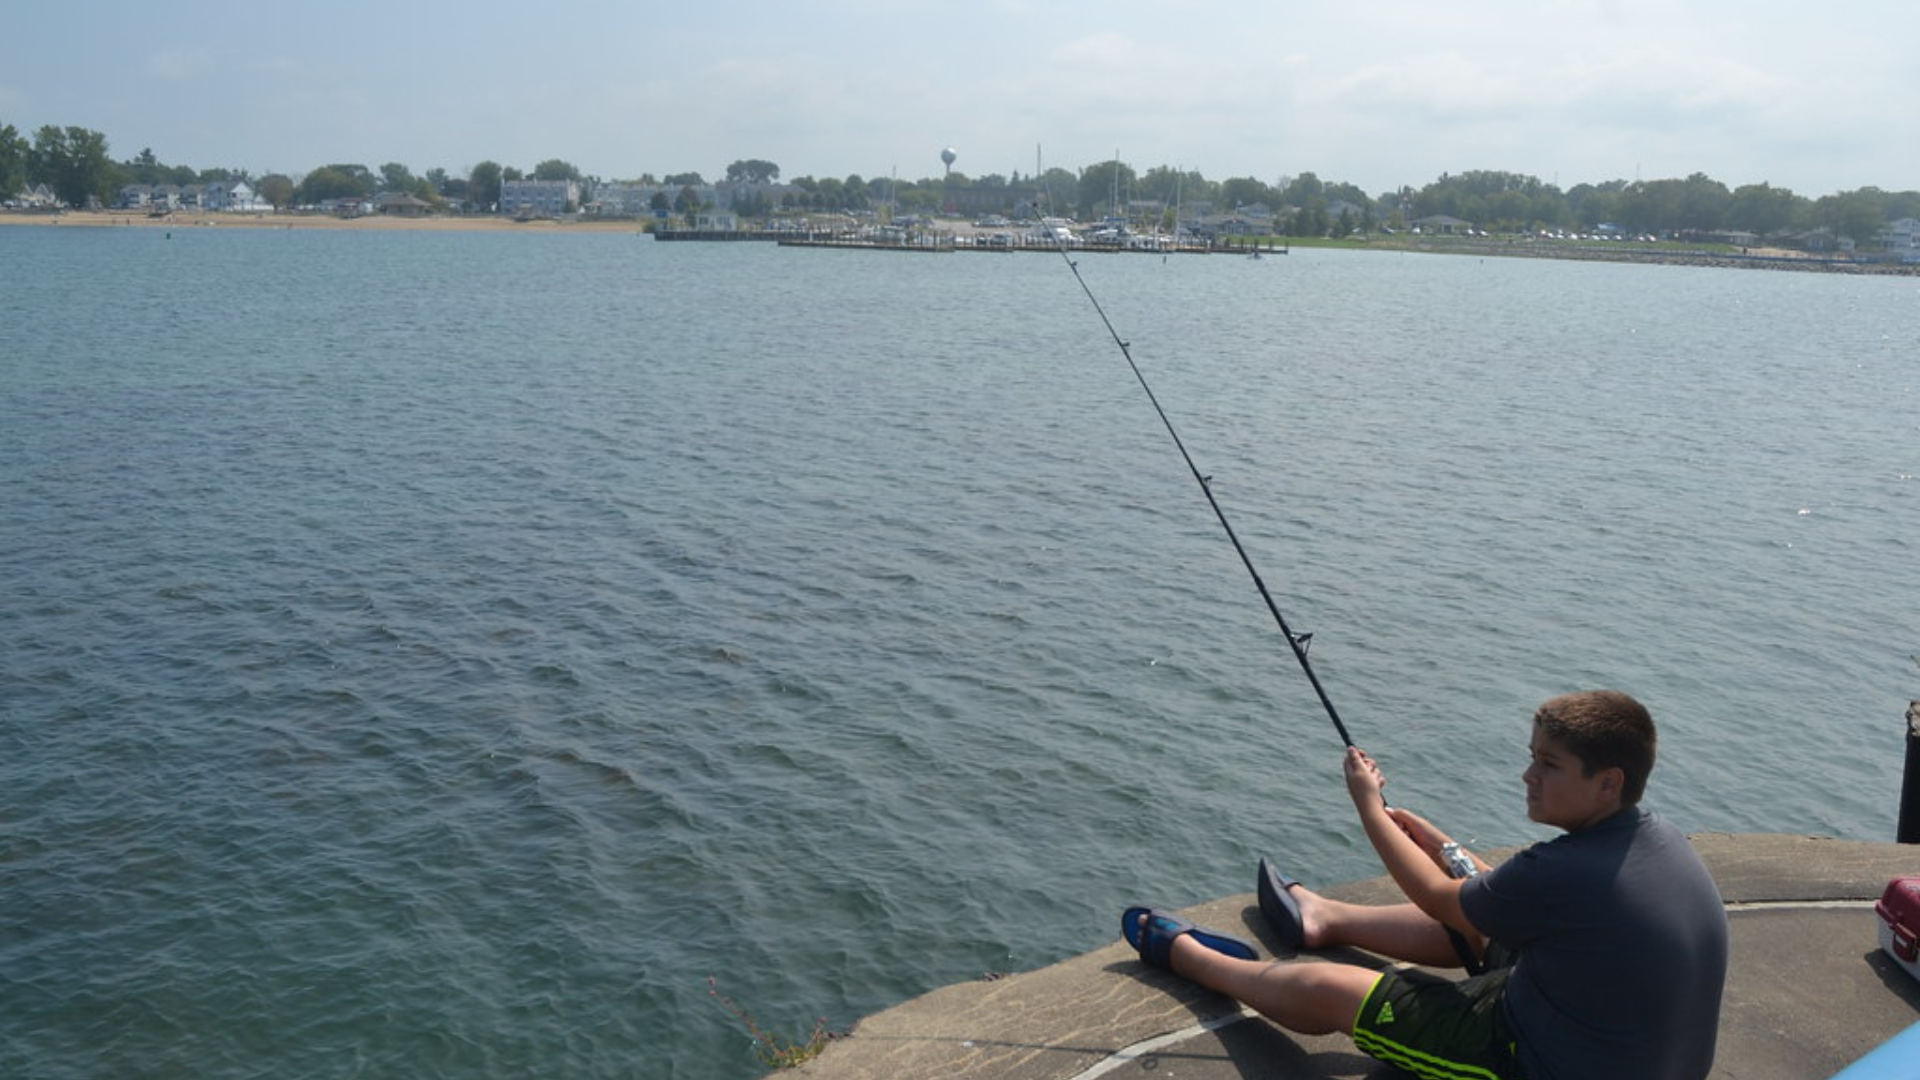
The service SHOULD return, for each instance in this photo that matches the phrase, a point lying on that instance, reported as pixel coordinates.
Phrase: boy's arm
(1432, 841)
(1430, 888)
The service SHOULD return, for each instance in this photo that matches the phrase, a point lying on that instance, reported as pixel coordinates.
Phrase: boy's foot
(1151, 932)
(1282, 911)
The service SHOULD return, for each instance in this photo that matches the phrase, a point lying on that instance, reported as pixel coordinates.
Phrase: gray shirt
(1622, 944)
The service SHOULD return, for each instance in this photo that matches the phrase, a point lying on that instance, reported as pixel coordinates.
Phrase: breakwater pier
(1809, 991)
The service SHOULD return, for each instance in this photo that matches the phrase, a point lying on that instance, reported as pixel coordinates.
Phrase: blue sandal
(1152, 937)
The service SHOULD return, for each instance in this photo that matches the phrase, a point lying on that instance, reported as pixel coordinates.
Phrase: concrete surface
(1808, 992)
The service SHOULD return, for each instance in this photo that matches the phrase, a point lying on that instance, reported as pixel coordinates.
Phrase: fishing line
(1298, 642)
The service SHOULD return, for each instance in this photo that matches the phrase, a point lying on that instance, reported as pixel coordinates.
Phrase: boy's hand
(1364, 780)
(1420, 831)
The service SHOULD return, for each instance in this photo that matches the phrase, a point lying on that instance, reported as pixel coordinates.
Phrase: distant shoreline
(90, 219)
(1765, 259)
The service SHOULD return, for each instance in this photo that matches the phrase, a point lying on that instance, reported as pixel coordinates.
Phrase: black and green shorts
(1438, 1028)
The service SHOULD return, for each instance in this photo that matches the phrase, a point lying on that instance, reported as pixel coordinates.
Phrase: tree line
(1305, 205)
(75, 164)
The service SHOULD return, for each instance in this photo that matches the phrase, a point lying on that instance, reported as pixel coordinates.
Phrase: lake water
(437, 655)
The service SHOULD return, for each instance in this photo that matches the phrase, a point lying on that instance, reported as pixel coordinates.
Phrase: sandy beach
(380, 222)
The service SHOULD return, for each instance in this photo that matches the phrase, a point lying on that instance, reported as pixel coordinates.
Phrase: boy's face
(1560, 793)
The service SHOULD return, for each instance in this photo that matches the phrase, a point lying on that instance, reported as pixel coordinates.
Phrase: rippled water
(437, 655)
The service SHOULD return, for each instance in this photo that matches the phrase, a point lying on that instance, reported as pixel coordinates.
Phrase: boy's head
(1605, 729)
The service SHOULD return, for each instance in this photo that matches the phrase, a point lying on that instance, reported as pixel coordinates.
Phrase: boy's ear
(1613, 780)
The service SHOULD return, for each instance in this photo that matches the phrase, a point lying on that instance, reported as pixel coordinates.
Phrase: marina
(1009, 244)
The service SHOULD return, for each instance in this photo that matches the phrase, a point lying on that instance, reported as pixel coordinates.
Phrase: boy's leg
(1398, 931)
(1309, 997)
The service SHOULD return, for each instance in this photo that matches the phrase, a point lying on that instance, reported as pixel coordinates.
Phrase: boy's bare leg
(1398, 931)
(1308, 996)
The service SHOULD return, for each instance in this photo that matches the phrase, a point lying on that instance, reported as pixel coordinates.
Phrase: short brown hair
(1605, 729)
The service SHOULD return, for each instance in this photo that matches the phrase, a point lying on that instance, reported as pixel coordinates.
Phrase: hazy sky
(1816, 97)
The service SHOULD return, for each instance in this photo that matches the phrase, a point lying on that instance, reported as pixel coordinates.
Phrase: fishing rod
(1458, 863)
(1298, 642)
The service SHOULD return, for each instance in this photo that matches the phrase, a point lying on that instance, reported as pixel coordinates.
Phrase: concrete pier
(1808, 991)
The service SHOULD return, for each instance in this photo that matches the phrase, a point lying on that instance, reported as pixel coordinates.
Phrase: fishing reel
(1459, 863)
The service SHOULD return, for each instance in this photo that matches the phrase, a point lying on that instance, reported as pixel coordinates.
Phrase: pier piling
(1909, 828)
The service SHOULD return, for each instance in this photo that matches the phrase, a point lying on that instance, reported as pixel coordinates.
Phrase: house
(231, 195)
(1821, 241)
(401, 204)
(1902, 238)
(1226, 225)
(1441, 224)
(631, 200)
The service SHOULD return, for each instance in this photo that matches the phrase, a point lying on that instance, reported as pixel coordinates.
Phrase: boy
(1611, 940)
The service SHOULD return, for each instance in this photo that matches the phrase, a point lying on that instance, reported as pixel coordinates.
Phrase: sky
(1815, 97)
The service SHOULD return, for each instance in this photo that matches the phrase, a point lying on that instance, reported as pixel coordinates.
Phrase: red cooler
(1899, 911)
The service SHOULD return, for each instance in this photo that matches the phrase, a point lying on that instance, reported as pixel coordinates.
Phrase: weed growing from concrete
(773, 1050)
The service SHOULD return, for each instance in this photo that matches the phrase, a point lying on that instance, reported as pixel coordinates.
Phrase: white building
(231, 195)
(1903, 239)
(632, 200)
(542, 198)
